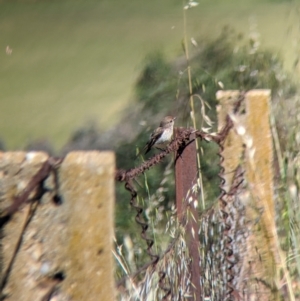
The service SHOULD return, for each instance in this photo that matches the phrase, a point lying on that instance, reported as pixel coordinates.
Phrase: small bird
(162, 136)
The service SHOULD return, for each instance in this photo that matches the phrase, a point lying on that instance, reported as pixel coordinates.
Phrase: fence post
(58, 250)
(249, 144)
(186, 176)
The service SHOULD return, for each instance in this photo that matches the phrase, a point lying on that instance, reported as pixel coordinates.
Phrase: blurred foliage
(228, 62)
(40, 145)
(85, 138)
(162, 88)
(229, 59)
(157, 84)
(2, 145)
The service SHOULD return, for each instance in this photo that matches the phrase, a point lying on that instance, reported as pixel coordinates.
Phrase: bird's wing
(153, 138)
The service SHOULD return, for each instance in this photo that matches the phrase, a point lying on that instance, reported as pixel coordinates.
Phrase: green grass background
(77, 60)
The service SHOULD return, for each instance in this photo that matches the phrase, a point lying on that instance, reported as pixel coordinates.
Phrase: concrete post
(58, 251)
(249, 144)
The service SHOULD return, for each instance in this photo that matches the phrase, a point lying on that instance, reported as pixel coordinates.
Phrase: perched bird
(162, 136)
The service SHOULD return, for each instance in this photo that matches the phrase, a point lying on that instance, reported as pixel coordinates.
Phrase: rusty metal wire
(224, 199)
(49, 166)
(227, 225)
(36, 181)
(179, 143)
(163, 286)
(183, 138)
(139, 219)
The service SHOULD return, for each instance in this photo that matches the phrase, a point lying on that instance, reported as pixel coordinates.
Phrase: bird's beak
(174, 118)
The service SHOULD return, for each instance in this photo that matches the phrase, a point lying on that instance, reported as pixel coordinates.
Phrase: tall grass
(253, 69)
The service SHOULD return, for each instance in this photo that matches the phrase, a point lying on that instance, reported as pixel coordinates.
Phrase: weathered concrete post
(58, 251)
(249, 144)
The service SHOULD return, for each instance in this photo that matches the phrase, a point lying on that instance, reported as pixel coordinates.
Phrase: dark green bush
(162, 89)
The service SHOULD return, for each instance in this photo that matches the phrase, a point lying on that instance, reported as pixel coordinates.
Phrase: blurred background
(68, 65)
(101, 74)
